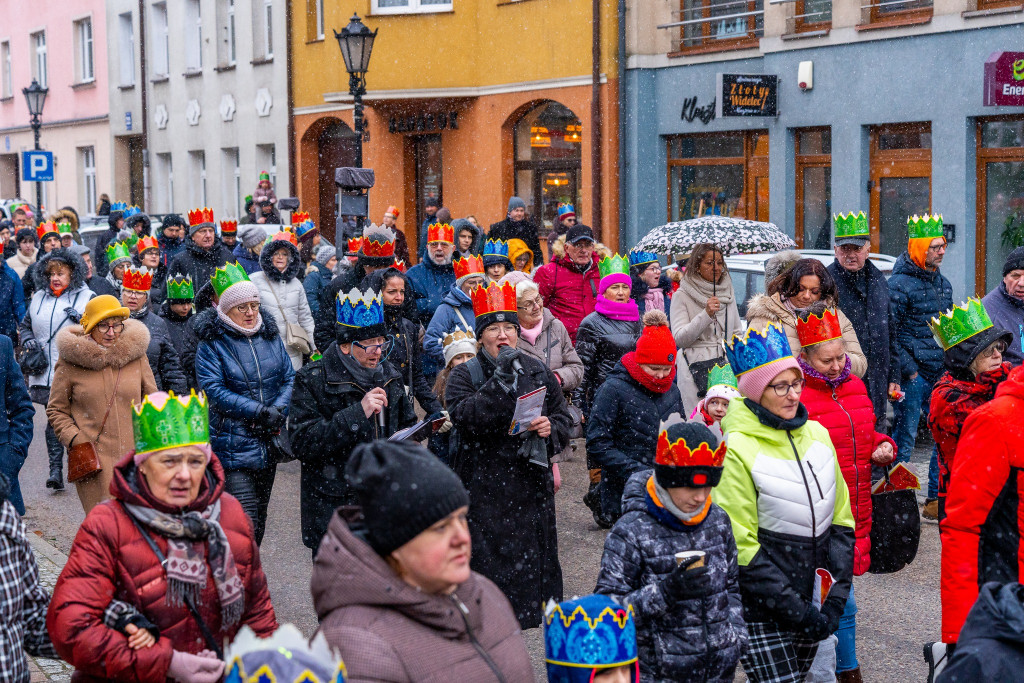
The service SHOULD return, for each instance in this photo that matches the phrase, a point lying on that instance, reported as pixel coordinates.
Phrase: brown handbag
(83, 460)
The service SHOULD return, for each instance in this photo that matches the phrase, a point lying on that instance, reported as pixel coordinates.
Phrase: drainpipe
(595, 123)
(146, 198)
(292, 164)
(622, 116)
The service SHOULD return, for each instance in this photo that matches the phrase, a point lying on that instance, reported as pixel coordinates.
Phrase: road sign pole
(36, 125)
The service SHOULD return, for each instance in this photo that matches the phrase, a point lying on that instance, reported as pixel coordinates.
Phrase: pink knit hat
(613, 279)
(239, 293)
(753, 383)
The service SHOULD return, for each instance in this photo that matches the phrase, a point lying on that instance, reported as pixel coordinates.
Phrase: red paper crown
(229, 226)
(200, 216)
(399, 265)
(299, 217)
(285, 236)
(494, 299)
(678, 454)
(137, 280)
(145, 243)
(468, 265)
(354, 244)
(393, 210)
(47, 228)
(371, 248)
(817, 329)
(440, 232)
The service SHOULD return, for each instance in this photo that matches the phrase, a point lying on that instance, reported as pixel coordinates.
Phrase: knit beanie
(239, 293)
(403, 490)
(325, 253)
(688, 454)
(612, 279)
(252, 235)
(514, 277)
(25, 235)
(656, 346)
(753, 382)
(1015, 261)
(515, 203)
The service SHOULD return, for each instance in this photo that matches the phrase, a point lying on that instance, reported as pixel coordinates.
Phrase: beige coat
(83, 383)
(20, 263)
(697, 335)
(764, 309)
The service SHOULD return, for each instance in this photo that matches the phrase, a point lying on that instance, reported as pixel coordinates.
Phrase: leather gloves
(273, 417)
(503, 365)
(686, 584)
(201, 668)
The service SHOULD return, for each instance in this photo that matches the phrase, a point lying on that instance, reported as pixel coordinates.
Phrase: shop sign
(747, 95)
(424, 123)
(1004, 79)
(691, 111)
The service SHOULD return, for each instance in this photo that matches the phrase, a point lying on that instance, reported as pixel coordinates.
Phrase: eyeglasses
(532, 305)
(999, 347)
(784, 389)
(372, 348)
(245, 308)
(116, 328)
(937, 247)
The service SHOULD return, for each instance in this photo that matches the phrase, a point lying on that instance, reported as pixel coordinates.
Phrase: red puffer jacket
(848, 415)
(569, 293)
(110, 560)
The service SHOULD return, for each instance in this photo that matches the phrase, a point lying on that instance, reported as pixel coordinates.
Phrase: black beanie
(403, 490)
(1015, 261)
(674, 467)
(484, 320)
(958, 358)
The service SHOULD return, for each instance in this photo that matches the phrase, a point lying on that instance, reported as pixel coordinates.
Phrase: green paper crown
(229, 274)
(925, 226)
(180, 287)
(851, 225)
(722, 375)
(180, 421)
(960, 323)
(118, 251)
(614, 264)
(63, 228)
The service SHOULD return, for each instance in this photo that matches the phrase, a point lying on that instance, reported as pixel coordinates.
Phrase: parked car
(7, 206)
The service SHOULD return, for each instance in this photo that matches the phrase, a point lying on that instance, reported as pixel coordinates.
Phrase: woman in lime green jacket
(789, 507)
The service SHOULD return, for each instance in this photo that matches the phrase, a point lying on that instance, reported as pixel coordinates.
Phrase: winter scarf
(616, 310)
(364, 377)
(223, 317)
(700, 289)
(659, 501)
(809, 371)
(531, 334)
(658, 386)
(654, 300)
(141, 313)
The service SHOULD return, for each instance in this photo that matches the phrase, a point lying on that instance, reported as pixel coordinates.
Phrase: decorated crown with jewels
(722, 375)
(285, 657)
(925, 226)
(147, 242)
(754, 348)
(118, 251)
(305, 229)
(494, 299)
(229, 227)
(359, 309)
(851, 225)
(137, 279)
(960, 323)
(610, 265)
(468, 265)
(299, 217)
(180, 288)
(227, 275)
(642, 258)
(679, 454)
(819, 328)
(203, 216)
(177, 421)
(592, 632)
(565, 210)
(118, 206)
(440, 232)
(496, 248)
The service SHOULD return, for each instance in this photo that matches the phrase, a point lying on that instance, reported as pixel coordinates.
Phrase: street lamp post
(356, 43)
(35, 96)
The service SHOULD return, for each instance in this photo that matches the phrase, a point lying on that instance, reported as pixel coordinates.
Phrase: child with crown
(722, 389)
(672, 559)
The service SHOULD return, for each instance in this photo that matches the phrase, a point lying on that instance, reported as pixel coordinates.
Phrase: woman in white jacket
(281, 291)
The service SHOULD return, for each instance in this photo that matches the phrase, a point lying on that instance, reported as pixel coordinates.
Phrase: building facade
(469, 102)
(60, 45)
(792, 111)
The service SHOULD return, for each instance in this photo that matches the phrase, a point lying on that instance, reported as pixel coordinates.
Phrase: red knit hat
(656, 345)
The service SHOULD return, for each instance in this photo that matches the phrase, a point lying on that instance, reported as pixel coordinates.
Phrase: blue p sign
(37, 166)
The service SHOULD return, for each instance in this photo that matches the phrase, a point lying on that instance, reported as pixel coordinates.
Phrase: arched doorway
(336, 147)
(547, 142)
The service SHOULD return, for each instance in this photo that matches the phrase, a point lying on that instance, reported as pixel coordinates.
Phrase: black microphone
(378, 380)
(518, 367)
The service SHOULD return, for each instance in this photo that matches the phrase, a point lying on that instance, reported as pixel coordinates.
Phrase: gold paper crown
(458, 336)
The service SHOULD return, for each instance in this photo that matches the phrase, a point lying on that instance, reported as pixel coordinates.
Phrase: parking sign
(36, 166)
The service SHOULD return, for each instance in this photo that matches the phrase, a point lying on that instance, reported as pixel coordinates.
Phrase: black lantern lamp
(356, 43)
(35, 96)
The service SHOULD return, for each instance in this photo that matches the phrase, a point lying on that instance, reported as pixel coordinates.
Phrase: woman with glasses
(790, 509)
(244, 368)
(102, 368)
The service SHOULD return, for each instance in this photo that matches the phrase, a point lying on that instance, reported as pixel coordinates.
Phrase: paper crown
(230, 227)
(264, 175)
(496, 248)
(851, 225)
(305, 229)
(722, 375)
(378, 242)
(168, 421)
(359, 309)
(299, 217)
(147, 242)
(284, 236)
(227, 275)
(494, 299)
(285, 657)
(565, 210)
(393, 210)
(47, 229)
(118, 251)
(137, 279)
(468, 265)
(64, 228)
(679, 454)
(611, 265)
(960, 323)
(817, 329)
(202, 217)
(458, 336)
(440, 232)
(641, 258)
(587, 633)
(354, 244)
(180, 288)
(118, 206)
(132, 210)
(399, 265)
(925, 226)
(753, 349)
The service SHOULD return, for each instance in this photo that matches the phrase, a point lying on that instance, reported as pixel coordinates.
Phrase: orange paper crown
(137, 279)
(440, 232)
(494, 299)
(200, 216)
(145, 243)
(679, 455)
(468, 265)
(299, 217)
(354, 244)
(393, 210)
(45, 229)
(229, 226)
(285, 236)
(817, 329)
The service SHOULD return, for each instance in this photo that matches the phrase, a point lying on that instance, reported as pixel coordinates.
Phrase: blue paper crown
(131, 211)
(587, 633)
(564, 209)
(754, 349)
(496, 248)
(285, 657)
(118, 206)
(639, 258)
(359, 309)
(304, 228)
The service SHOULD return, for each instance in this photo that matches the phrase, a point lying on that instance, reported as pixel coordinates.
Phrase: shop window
(410, 6)
(812, 15)
(814, 188)
(881, 13)
(718, 174)
(901, 182)
(709, 25)
(1000, 198)
(547, 161)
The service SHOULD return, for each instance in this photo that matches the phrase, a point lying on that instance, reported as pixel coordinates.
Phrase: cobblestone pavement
(51, 562)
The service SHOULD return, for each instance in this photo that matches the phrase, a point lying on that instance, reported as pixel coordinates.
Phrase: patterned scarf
(186, 570)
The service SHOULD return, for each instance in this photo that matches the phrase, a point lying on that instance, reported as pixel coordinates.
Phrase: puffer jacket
(790, 510)
(200, 263)
(601, 343)
(100, 250)
(176, 325)
(845, 410)
(430, 284)
(241, 375)
(446, 319)
(1007, 312)
(110, 560)
(317, 278)
(917, 296)
(569, 292)
(991, 645)
(691, 640)
(12, 302)
(161, 353)
(386, 630)
(283, 294)
(245, 258)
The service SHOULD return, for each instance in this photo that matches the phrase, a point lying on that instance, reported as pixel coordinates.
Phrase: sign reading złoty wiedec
(1004, 79)
(747, 95)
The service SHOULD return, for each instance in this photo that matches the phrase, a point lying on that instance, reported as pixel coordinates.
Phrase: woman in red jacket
(839, 401)
(168, 501)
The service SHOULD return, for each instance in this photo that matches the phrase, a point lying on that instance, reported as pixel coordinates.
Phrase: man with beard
(432, 279)
(203, 254)
(171, 238)
(516, 227)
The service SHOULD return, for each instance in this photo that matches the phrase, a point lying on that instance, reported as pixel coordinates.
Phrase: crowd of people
(732, 460)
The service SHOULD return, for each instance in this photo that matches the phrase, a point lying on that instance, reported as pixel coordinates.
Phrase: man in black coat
(348, 397)
(115, 223)
(203, 252)
(516, 227)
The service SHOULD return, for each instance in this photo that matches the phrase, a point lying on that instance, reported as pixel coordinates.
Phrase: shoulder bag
(83, 460)
(295, 336)
(33, 360)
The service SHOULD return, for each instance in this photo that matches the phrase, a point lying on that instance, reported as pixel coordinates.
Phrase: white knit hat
(458, 342)
(239, 293)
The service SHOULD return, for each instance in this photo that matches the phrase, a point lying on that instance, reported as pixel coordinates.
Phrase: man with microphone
(350, 396)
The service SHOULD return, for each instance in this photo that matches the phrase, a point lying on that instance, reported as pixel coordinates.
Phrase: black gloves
(273, 417)
(503, 364)
(686, 584)
(818, 625)
(833, 610)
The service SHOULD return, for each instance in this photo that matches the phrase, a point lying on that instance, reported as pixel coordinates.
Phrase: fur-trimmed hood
(78, 348)
(61, 255)
(208, 327)
(272, 273)
(558, 249)
(147, 224)
(765, 307)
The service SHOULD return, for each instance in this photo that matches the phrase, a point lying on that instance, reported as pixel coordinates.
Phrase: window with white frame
(319, 19)
(266, 160)
(268, 28)
(410, 6)
(229, 34)
(165, 186)
(39, 63)
(198, 174)
(6, 83)
(193, 36)
(126, 49)
(160, 65)
(231, 172)
(83, 51)
(87, 164)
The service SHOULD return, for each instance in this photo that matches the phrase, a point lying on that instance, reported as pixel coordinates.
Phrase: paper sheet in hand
(528, 408)
(419, 431)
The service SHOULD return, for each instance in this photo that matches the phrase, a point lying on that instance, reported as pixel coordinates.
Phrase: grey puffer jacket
(693, 640)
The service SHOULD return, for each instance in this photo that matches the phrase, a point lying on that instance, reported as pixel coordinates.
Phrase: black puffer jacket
(162, 355)
(601, 343)
(524, 230)
(176, 325)
(693, 639)
(189, 338)
(917, 296)
(200, 263)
